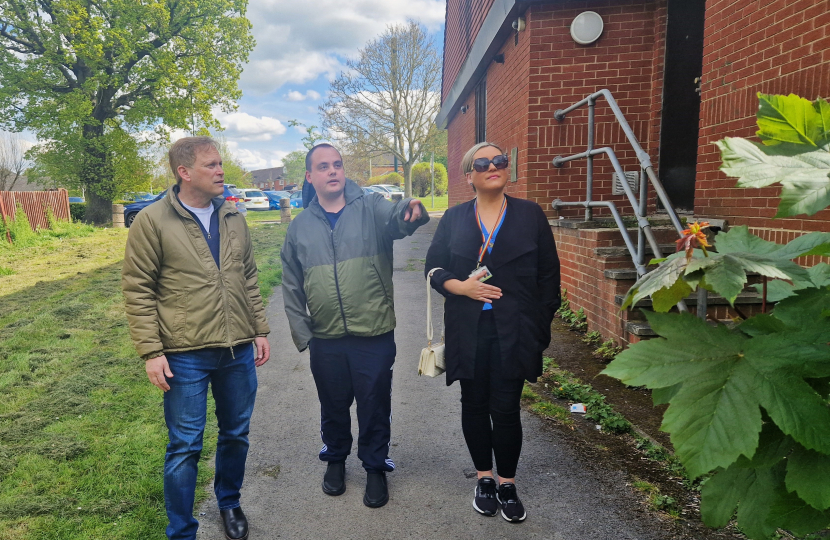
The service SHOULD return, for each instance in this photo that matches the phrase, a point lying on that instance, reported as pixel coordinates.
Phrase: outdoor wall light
(586, 27)
(464, 109)
(499, 58)
(519, 24)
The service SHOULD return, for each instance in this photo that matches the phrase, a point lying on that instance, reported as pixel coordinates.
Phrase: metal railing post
(589, 212)
(641, 236)
(640, 207)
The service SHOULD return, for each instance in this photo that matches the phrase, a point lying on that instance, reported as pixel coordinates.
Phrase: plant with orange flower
(749, 403)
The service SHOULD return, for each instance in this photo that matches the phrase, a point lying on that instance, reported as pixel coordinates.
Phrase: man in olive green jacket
(194, 310)
(337, 289)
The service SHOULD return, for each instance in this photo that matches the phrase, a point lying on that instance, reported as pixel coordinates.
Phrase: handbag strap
(429, 308)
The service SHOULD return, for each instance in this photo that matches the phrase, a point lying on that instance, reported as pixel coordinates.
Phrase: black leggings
(489, 397)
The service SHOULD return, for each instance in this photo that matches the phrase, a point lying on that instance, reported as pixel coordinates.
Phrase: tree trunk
(407, 179)
(96, 175)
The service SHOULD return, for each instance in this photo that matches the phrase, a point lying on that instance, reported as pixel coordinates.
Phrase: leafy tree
(422, 179)
(235, 172)
(749, 403)
(387, 98)
(311, 137)
(86, 76)
(294, 167)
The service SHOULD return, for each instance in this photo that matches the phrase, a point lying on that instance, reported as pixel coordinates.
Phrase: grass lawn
(82, 434)
(440, 203)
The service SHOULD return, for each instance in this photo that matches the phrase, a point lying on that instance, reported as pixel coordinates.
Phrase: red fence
(34, 204)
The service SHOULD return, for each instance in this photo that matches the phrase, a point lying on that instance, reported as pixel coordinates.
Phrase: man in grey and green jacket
(337, 288)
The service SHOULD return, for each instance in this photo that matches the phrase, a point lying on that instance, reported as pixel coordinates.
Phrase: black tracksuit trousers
(350, 369)
(490, 407)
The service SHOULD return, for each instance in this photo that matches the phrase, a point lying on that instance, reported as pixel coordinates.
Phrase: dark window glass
(481, 111)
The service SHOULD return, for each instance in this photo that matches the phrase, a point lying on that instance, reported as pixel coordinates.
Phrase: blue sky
(301, 46)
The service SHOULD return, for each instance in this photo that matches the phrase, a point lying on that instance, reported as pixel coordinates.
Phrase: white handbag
(432, 356)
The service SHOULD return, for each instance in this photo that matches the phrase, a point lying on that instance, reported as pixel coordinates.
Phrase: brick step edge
(744, 298)
(643, 328)
(621, 274)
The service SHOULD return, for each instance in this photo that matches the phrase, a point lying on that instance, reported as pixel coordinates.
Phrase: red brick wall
(546, 71)
(463, 21)
(507, 114)
(774, 47)
(624, 60)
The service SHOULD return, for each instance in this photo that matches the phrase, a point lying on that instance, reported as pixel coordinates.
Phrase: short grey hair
(183, 152)
(467, 161)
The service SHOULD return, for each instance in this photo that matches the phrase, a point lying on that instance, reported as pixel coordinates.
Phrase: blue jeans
(232, 377)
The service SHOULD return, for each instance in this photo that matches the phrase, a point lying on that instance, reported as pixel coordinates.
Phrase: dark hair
(311, 152)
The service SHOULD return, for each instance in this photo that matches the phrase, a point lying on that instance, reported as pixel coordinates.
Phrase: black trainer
(485, 501)
(512, 508)
(377, 494)
(334, 481)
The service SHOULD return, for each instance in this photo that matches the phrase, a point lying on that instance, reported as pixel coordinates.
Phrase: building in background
(685, 73)
(272, 179)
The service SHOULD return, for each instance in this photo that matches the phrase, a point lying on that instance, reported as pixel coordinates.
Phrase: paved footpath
(432, 489)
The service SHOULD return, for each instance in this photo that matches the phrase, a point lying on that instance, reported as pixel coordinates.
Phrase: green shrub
(77, 211)
(422, 179)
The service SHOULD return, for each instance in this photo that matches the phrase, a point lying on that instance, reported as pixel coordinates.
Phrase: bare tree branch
(387, 100)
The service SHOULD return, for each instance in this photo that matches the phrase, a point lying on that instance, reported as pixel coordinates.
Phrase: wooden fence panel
(34, 204)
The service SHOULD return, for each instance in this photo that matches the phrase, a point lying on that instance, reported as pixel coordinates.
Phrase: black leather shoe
(235, 523)
(334, 481)
(377, 494)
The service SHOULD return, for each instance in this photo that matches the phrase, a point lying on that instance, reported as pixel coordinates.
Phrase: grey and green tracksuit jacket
(339, 282)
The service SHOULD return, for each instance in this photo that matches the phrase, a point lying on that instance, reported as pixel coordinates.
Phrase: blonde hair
(183, 152)
(467, 161)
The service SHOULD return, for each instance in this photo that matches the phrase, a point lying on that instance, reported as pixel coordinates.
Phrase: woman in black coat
(496, 327)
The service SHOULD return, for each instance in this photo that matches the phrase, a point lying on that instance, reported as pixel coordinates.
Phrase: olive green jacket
(176, 298)
(339, 282)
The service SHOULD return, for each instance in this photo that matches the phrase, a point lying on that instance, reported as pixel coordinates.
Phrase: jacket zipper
(221, 281)
(337, 284)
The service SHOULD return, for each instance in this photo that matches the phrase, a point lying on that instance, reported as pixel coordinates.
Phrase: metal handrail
(644, 232)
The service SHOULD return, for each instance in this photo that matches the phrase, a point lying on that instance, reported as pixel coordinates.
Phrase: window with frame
(481, 110)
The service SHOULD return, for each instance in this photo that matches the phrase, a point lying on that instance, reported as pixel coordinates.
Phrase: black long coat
(525, 266)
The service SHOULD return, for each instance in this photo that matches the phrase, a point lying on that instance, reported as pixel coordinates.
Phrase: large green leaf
(793, 119)
(790, 512)
(663, 277)
(804, 177)
(740, 240)
(778, 290)
(805, 309)
(725, 379)
(804, 467)
(751, 490)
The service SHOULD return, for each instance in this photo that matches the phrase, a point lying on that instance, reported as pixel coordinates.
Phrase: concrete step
(744, 298)
(643, 330)
(621, 274)
(622, 251)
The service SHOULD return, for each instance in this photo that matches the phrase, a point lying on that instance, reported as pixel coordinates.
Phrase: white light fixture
(586, 27)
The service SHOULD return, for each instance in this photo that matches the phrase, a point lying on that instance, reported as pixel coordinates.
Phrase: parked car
(274, 198)
(131, 210)
(390, 192)
(254, 199)
(76, 200)
(297, 199)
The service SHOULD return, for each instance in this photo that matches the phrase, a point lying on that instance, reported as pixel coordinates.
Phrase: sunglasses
(483, 164)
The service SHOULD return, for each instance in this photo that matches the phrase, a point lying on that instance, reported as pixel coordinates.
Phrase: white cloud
(253, 160)
(310, 36)
(299, 96)
(244, 127)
